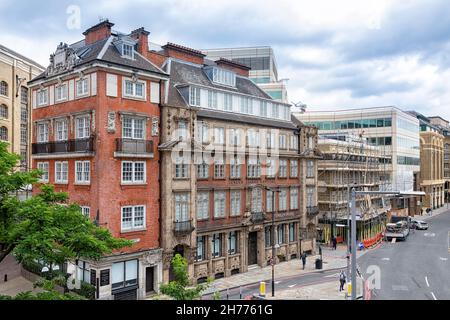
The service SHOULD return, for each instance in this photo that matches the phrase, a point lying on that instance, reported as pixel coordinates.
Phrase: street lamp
(273, 235)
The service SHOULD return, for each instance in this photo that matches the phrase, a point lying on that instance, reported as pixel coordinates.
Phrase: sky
(336, 54)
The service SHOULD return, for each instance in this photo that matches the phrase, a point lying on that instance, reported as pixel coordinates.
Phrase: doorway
(149, 280)
(252, 248)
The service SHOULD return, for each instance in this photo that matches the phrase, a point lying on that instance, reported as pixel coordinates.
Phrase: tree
(178, 289)
(46, 227)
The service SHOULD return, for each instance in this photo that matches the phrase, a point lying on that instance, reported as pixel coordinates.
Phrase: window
(43, 166)
(83, 127)
(310, 169)
(201, 248)
(42, 132)
(216, 245)
(133, 128)
(283, 143)
(270, 168)
(311, 143)
(3, 111)
(182, 207)
(219, 136)
(294, 168)
(154, 92)
(182, 130)
(61, 130)
(235, 137)
(124, 274)
(227, 102)
(203, 171)
(82, 171)
(127, 51)
(133, 217)
(3, 88)
(194, 96)
(86, 211)
(61, 93)
(212, 99)
(280, 233)
(61, 171)
(283, 169)
(263, 111)
(42, 97)
(82, 87)
(219, 169)
(203, 132)
(219, 204)
(181, 171)
(294, 199)
(235, 199)
(253, 168)
(232, 242)
(83, 271)
(202, 205)
(292, 232)
(246, 105)
(235, 168)
(275, 113)
(310, 201)
(282, 200)
(223, 76)
(3, 133)
(133, 172)
(256, 200)
(268, 236)
(134, 89)
(253, 138)
(270, 140)
(294, 142)
(269, 200)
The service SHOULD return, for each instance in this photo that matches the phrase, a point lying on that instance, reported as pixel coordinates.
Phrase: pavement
(16, 283)
(434, 213)
(415, 269)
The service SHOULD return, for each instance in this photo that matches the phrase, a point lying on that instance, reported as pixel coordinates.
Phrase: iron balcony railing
(183, 227)
(73, 145)
(134, 146)
(312, 211)
(258, 217)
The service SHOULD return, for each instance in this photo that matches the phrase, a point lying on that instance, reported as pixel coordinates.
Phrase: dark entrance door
(149, 279)
(252, 248)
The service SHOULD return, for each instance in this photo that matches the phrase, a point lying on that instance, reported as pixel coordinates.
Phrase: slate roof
(91, 53)
(14, 53)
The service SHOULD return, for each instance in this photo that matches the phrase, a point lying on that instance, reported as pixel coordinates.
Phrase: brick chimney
(142, 36)
(183, 53)
(236, 67)
(98, 32)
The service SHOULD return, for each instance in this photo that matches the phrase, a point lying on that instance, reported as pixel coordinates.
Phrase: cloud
(337, 54)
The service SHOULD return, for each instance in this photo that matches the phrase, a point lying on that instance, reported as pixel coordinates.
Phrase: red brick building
(95, 135)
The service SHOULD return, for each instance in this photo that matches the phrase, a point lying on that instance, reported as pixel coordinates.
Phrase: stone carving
(64, 59)
(111, 122)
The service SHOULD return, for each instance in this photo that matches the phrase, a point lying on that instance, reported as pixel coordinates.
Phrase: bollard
(262, 289)
(240, 292)
(228, 294)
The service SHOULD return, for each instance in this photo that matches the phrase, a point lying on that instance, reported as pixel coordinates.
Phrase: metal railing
(258, 217)
(183, 227)
(312, 211)
(134, 146)
(73, 145)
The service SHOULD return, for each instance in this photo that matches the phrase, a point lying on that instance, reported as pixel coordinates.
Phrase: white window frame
(182, 168)
(42, 136)
(133, 218)
(129, 54)
(61, 93)
(235, 203)
(133, 172)
(310, 168)
(86, 211)
(64, 130)
(42, 97)
(282, 200)
(84, 86)
(61, 171)
(203, 171)
(293, 174)
(202, 205)
(293, 195)
(219, 135)
(133, 94)
(85, 172)
(219, 204)
(235, 168)
(182, 201)
(194, 96)
(282, 168)
(212, 99)
(44, 167)
(134, 128)
(85, 131)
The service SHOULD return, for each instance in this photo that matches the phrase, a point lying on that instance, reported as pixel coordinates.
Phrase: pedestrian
(304, 260)
(342, 280)
(334, 243)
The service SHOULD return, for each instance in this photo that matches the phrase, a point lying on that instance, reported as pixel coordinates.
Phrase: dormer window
(222, 76)
(128, 51)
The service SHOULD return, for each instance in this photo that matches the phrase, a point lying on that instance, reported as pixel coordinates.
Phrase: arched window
(3, 112)
(3, 134)
(3, 88)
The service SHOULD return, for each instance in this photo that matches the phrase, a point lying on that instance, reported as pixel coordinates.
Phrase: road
(416, 269)
(283, 283)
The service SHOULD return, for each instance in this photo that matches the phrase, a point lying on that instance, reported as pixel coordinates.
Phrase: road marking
(393, 240)
(426, 280)
(426, 234)
(385, 259)
(434, 297)
(277, 282)
(399, 288)
(334, 275)
(443, 259)
(291, 286)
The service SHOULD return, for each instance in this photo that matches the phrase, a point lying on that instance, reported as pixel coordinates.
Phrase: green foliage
(178, 289)
(87, 290)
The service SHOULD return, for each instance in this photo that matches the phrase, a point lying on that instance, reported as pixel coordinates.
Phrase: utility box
(318, 264)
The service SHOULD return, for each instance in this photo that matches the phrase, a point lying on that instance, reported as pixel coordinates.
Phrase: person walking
(342, 280)
(334, 243)
(304, 260)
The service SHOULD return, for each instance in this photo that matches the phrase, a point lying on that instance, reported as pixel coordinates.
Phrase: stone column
(226, 266)
(243, 249)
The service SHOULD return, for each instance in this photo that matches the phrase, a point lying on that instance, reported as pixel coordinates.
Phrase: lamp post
(273, 236)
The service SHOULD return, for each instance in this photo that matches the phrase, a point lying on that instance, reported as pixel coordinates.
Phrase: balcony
(54, 148)
(134, 148)
(312, 211)
(258, 217)
(181, 228)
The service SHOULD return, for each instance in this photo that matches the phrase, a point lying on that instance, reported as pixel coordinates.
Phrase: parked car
(419, 225)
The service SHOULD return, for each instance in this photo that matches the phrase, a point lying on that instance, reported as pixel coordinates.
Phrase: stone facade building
(227, 152)
(96, 113)
(15, 108)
